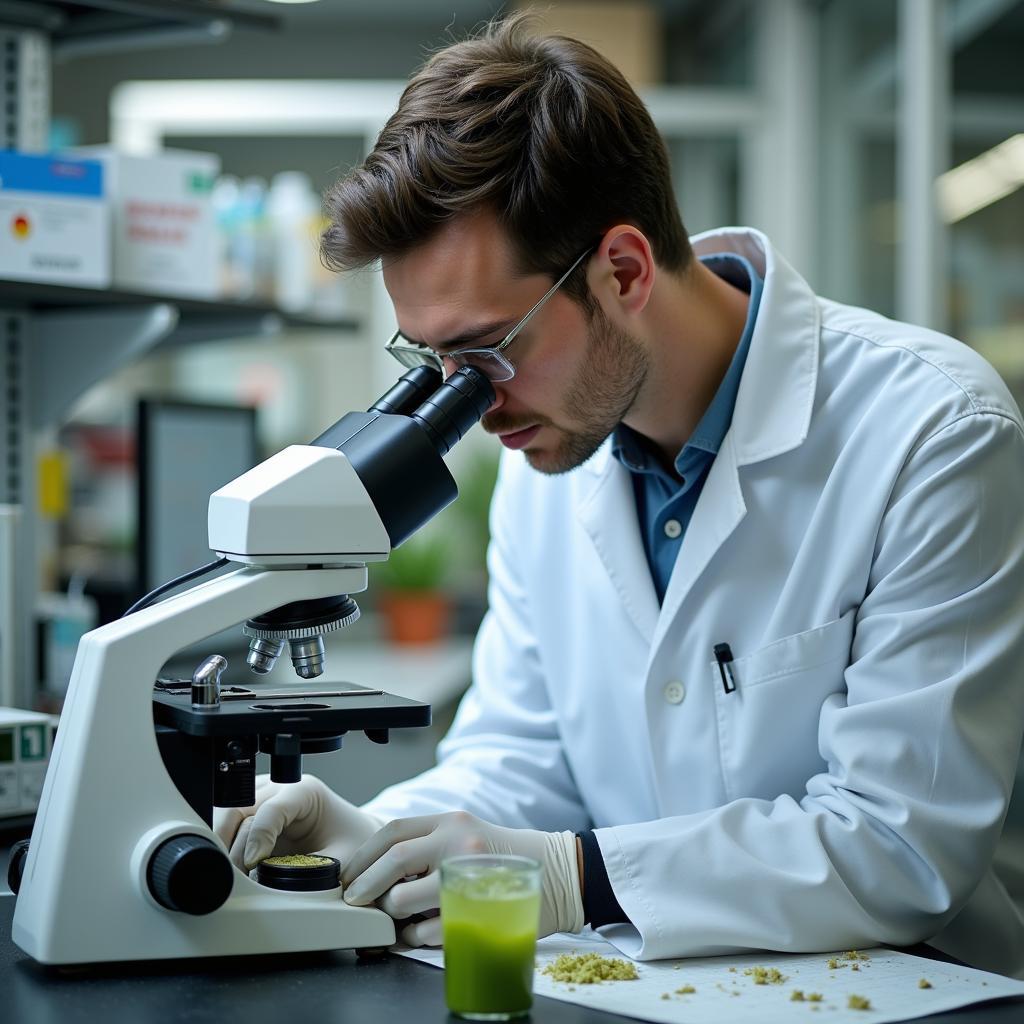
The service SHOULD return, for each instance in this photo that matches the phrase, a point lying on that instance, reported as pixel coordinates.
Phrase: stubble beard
(614, 369)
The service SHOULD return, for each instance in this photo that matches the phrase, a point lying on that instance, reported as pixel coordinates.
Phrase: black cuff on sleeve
(599, 903)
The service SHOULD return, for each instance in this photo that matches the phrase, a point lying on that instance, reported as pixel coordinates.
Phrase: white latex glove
(294, 817)
(398, 868)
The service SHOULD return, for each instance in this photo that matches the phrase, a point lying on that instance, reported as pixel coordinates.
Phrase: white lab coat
(859, 543)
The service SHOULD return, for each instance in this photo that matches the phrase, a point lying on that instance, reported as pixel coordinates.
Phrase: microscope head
(348, 498)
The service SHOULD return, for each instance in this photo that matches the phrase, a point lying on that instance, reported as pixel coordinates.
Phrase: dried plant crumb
(665, 995)
(814, 997)
(858, 1003)
(797, 996)
(765, 975)
(590, 968)
(685, 990)
(854, 954)
(924, 983)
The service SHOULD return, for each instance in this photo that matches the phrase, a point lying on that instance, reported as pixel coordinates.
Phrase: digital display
(33, 743)
(6, 746)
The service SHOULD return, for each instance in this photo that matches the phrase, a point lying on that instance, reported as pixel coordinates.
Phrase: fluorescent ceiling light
(981, 181)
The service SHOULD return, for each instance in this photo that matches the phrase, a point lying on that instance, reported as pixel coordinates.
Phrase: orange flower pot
(415, 617)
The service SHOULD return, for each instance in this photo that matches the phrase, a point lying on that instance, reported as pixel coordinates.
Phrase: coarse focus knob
(16, 865)
(190, 874)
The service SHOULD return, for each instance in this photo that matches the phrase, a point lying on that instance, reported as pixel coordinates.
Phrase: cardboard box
(54, 220)
(162, 221)
(627, 32)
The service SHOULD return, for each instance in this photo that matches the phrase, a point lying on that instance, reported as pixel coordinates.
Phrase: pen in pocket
(723, 655)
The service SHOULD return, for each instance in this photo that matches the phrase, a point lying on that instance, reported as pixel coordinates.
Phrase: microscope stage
(250, 712)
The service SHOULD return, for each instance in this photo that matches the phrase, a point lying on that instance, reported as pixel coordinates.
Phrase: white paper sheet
(889, 980)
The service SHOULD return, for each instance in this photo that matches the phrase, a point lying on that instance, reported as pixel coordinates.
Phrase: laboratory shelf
(35, 297)
(91, 27)
(70, 338)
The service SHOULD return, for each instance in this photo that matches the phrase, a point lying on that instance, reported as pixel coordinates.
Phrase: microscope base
(254, 921)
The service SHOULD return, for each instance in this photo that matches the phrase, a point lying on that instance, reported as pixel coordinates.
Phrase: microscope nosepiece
(302, 624)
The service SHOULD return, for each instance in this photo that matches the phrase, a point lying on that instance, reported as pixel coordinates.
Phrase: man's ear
(627, 267)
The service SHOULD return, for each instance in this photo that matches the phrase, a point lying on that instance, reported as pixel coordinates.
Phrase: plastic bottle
(252, 252)
(293, 209)
(66, 618)
(224, 200)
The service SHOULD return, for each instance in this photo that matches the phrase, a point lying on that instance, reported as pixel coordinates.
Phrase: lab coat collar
(776, 395)
(772, 416)
(608, 514)
(776, 392)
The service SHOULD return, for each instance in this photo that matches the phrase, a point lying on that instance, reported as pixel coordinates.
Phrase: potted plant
(411, 598)
(476, 486)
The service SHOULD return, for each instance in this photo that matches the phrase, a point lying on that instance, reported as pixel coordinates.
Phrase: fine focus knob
(190, 874)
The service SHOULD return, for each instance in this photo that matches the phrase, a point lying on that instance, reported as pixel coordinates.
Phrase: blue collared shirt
(665, 501)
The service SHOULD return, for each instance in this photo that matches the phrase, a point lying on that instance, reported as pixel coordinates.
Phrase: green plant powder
(589, 968)
(298, 860)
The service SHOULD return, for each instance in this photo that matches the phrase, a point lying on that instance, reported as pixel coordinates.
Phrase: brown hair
(542, 129)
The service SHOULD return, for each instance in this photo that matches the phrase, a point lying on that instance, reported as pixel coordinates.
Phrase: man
(751, 673)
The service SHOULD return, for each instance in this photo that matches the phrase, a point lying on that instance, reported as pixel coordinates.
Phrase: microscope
(123, 863)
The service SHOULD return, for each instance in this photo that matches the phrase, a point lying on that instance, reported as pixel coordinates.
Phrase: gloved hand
(409, 847)
(294, 817)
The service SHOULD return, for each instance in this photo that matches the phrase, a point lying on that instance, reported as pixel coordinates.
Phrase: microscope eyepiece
(411, 390)
(454, 407)
(398, 455)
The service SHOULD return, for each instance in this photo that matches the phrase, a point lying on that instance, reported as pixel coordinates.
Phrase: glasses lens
(493, 365)
(411, 355)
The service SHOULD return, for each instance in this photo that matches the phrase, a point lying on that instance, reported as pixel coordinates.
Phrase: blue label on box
(27, 172)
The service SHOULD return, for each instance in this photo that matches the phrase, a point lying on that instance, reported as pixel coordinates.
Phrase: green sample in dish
(490, 907)
(298, 860)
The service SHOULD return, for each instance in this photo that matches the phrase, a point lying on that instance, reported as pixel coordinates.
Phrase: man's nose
(499, 398)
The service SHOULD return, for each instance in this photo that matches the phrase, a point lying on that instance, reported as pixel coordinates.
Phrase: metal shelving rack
(55, 342)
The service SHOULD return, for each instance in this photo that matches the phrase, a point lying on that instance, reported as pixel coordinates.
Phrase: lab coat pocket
(768, 725)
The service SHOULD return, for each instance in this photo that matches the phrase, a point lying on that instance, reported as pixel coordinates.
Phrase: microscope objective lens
(308, 656)
(263, 654)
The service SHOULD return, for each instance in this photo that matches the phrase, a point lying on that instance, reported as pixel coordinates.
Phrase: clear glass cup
(490, 910)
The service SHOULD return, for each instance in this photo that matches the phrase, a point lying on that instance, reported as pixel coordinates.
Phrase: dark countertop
(322, 987)
(328, 988)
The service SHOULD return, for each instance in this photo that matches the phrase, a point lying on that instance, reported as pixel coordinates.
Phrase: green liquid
(490, 941)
